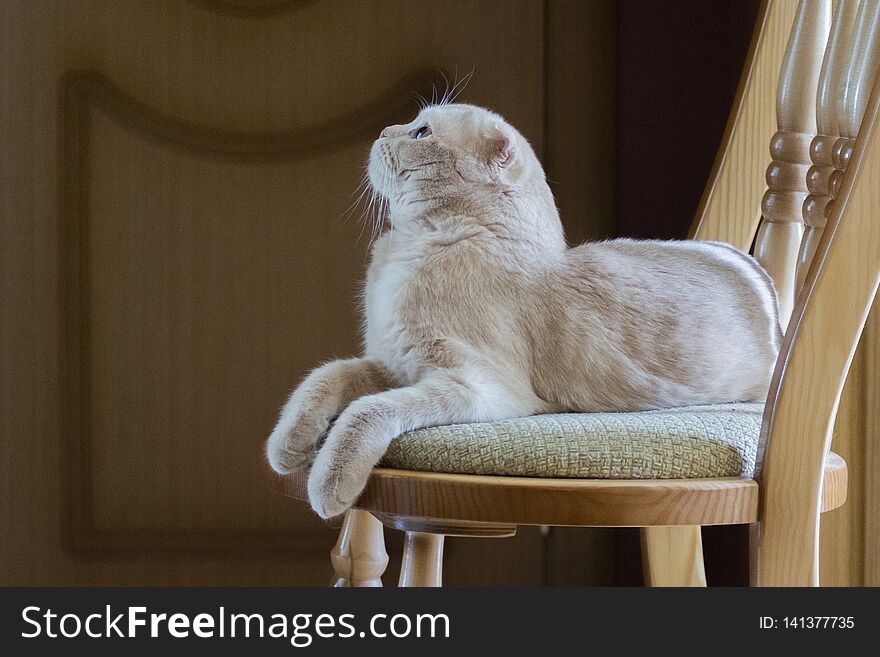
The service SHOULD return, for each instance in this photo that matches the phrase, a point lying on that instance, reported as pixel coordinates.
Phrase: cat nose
(384, 133)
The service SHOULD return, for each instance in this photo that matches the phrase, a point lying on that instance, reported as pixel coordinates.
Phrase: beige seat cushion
(679, 443)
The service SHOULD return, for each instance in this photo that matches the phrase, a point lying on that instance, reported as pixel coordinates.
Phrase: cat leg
(362, 433)
(315, 402)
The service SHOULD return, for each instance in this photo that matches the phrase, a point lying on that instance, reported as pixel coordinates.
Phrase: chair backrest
(818, 235)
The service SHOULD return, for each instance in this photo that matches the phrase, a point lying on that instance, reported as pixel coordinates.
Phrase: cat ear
(502, 149)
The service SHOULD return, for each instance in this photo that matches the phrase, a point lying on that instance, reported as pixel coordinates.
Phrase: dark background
(679, 63)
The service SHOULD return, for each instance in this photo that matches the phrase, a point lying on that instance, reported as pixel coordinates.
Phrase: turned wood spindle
(847, 75)
(777, 244)
(359, 556)
(819, 176)
(422, 564)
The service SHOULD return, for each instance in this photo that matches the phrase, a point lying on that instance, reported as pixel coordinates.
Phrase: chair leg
(673, 556)
(422, 560)
(779, 556)
(359, 556)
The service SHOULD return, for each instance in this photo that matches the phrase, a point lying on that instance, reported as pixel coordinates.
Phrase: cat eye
(418, 133)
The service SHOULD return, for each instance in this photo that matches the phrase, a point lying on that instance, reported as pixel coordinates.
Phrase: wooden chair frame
(836, 269)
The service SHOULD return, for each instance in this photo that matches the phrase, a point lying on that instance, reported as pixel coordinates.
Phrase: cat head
(453, 149)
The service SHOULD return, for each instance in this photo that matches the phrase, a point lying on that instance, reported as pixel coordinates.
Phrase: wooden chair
(825, 173)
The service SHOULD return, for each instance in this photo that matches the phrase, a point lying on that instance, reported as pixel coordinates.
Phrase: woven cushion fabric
(677, 443)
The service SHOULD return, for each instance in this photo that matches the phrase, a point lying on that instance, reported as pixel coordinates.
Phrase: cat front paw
(324, 499)
(336, 480)
(291, 445)
(282, 458)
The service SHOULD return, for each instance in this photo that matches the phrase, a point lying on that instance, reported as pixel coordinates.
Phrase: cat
(476, 310)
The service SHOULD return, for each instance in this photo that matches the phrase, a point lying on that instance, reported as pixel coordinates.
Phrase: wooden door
(173, 180)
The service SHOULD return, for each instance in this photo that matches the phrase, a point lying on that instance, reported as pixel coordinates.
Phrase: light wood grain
(869, 546)
(848, 538)
(545, 501)
(458, 503)
(557, 502)
(835, 483)
(673, 556)
(814, 361)
(844, 536)
(842, 560)
(730, 208)
(422, 560)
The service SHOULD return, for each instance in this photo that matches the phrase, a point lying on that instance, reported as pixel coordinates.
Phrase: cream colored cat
(476, 310)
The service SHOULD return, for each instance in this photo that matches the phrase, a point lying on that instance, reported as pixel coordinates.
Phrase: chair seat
(679, 443)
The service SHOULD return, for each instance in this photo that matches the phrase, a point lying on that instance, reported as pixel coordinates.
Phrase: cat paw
(284, 460)
(291, 446)
(335, 483)
(324, 502)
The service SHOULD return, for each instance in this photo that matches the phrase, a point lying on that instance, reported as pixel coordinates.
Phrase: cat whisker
(361, 191)
(395, 195)
(364, 179)
(446, 91)
(361, 216)
(449, 91)
(361, 233)
(366, 216)
(422, 101)
(459, 86)
(378, 209)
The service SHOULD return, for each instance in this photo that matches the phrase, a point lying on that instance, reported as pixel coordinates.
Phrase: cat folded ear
(502, 147)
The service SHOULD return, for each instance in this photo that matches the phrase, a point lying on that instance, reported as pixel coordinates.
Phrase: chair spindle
(359, 556)
(777, 244)
(848, 72)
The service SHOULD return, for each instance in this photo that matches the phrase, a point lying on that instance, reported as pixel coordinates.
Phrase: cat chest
(388, 300)
(409, 310)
